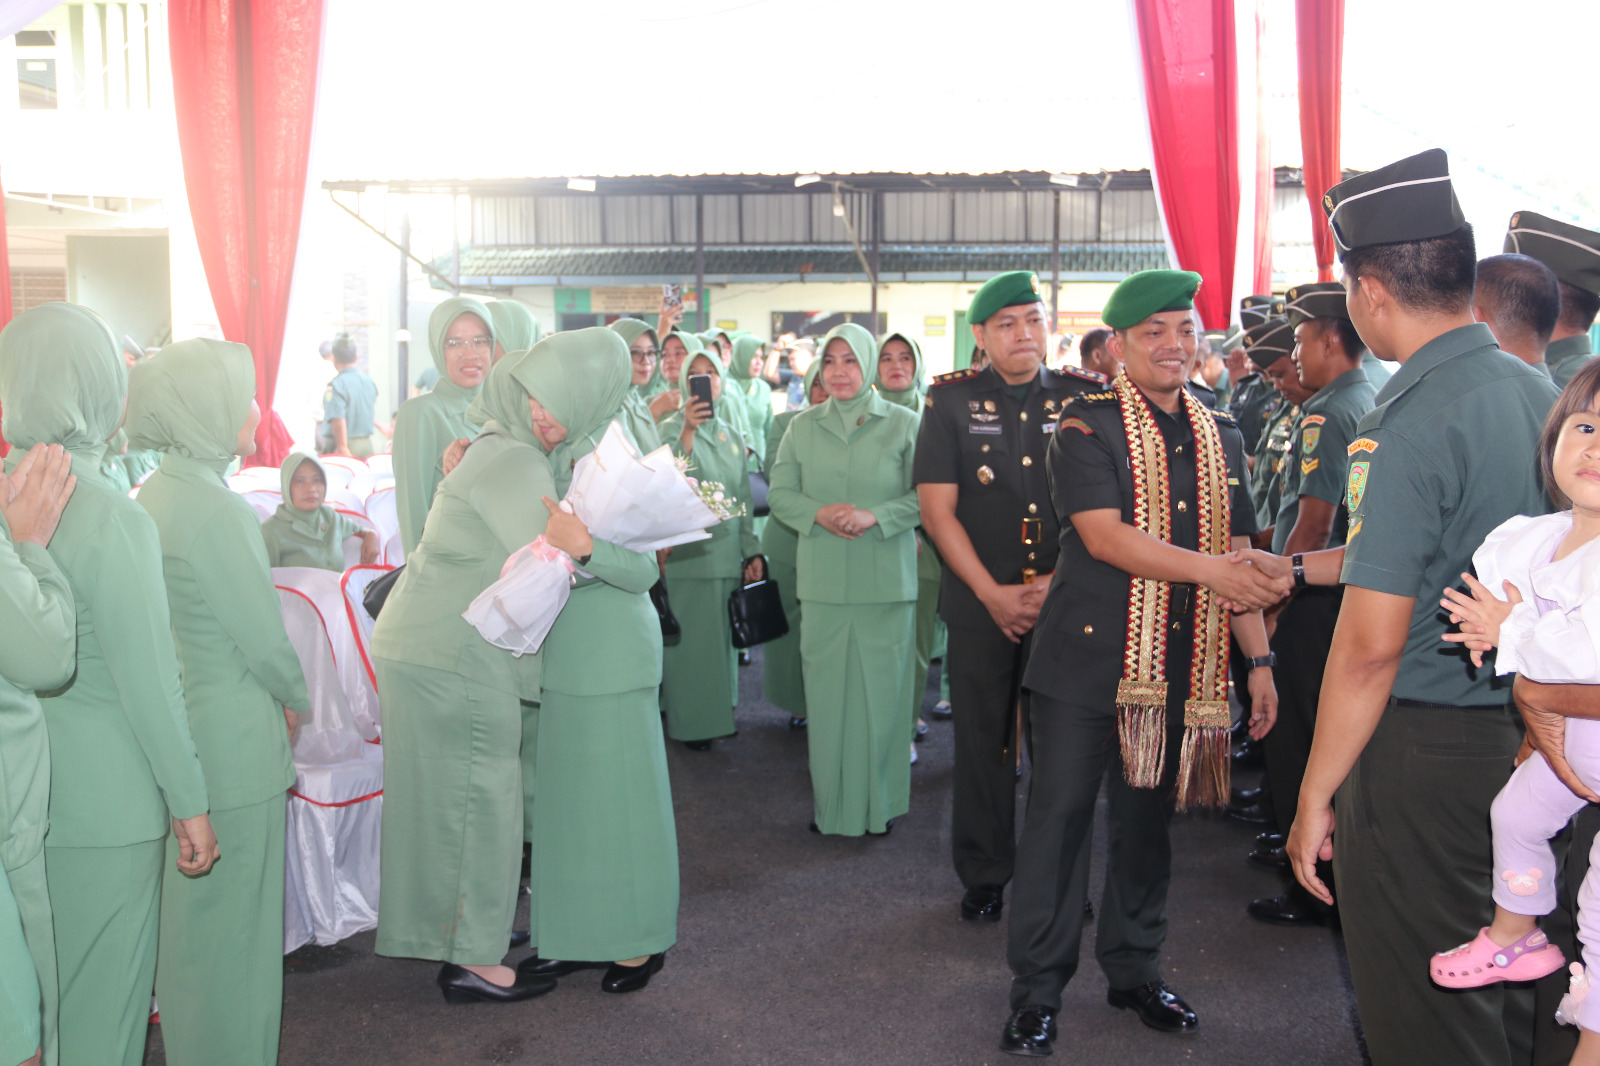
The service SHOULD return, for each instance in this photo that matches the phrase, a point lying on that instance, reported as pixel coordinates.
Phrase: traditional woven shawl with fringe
(1142, 693)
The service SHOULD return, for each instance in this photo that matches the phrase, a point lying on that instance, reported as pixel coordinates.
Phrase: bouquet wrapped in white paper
(517, 611)
(642, 503)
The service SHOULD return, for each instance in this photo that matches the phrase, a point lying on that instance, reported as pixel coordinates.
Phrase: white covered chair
(385, 515)
(265, 502)
(382, 465)
(352, 474)
(335, 806)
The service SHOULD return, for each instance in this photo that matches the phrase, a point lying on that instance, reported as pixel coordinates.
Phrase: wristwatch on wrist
(1268, 660)
(1299, 564)
(583, 560)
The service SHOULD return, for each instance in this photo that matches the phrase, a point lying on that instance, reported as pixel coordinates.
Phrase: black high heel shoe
(620, 978)
(461, 985)
(534, 966)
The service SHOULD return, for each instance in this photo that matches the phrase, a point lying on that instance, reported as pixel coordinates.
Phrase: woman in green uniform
(900, 382)
(219, 971)
(113, 471)
(462, 342)
(453, 711)
(304, 531)
(843, 481)
(122, 760)
(38, 620)
(781, 679)
(514, 327)
(700, 683)
(605, 850)
(644, 374)
(754, 390)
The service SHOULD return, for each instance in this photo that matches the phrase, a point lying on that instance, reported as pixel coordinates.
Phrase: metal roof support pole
(455, 245)
(402, 348)
(701, 325)
(1055, 260)
(875, 230)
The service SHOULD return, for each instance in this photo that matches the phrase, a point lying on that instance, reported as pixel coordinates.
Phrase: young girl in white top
(1547, 628)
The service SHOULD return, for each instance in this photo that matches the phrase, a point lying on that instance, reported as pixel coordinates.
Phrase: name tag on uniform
(979, 427)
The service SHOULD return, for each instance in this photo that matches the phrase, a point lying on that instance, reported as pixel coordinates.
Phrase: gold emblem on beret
(988, 405)
(985, 475)
(1516, 220)
(1327, 201)
(1033, 279)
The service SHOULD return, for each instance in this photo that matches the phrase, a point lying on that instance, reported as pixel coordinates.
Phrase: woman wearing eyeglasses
(461, 340)
(842, 481)
(642, 351)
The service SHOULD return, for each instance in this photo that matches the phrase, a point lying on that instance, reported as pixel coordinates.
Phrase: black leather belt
(1398, 702)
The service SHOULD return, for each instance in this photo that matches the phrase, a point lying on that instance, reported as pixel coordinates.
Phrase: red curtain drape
(1319, 42)
(1189, 51)
(244, 76)
(1261, 259)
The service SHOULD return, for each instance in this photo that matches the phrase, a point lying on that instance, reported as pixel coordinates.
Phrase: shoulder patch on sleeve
(1223, 417)
(1078, 424)
(1086, 375)
(956, 375)
(1363, 444)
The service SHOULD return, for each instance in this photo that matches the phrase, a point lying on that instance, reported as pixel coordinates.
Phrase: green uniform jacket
(1272, 454)
(1318, 454)
(423, 429)
(121, 752)
(640, 422)
(1378, 372)
(1566, 357)
(38, 619)
(718, 456)
(817, 466)
(289, 543)
(486, 509)
(1449, 453)
(238, 668)
(352, 396)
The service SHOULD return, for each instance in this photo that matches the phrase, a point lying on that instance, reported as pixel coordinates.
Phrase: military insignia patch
(972, 405)
(1312, 432)
(988, 405)
(1078, 424)
(1357, 487)
(1033, 279)
(1308, 465)
(985, 475)
(1364, 444)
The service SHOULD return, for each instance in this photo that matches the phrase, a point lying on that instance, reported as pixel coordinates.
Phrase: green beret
(1321, 299)
(1149, 292)
(1267, 343)
(1257, 308)
(1573, 254)
(1003, 290)
(1412, 200)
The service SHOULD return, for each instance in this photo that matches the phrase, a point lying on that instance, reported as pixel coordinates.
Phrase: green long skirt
(452, 815)
(28, 969)
(107, 904)
(605, 845)
(782, 680)
(856, 678)
(219, 967)
(700, 673)
(927, 637)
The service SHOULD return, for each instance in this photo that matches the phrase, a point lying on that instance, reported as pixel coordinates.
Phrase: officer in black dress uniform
(1097, 676)
(981, 483)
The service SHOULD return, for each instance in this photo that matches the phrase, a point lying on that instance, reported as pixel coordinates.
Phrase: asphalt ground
(797, 948)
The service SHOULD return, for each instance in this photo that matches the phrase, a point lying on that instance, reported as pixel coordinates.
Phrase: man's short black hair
(1578, 308)
(1345, 330)
(1520, 292)
(1432, 276)
(1093, 341)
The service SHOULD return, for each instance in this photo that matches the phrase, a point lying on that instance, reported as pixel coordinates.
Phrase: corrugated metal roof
(534, 266)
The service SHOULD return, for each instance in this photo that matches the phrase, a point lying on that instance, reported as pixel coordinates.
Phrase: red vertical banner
(1319, 44)
(1261, 260)
(1189, 53)
(244, 78)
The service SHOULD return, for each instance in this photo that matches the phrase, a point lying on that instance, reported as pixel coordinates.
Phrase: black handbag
(671, 631)
(377, 593)
(755, 614)
(758, 494)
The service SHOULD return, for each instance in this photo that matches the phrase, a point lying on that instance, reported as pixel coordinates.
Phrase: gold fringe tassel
(1142, 731)
(1204, 770)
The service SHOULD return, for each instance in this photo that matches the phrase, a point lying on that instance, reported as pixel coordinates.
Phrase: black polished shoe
(744, 656)
(1271, 858)
(519, 937)
(697, 745)
(796, 723)
(888, 827)
(1291, 908)
(1159, 1007)
(461, 985)
(1030, 1031)
(1248, 757)
(983, 903)
(621, 978)
(1243, 797)
(1268, 841)
(941, 710)
(534, 966)
(1254, 814)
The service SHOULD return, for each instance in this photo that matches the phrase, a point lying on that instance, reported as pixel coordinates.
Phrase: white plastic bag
(517, 611)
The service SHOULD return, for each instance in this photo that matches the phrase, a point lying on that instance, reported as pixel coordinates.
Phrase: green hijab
(630, 330)
(581, 377)
(311, 523)
(745, 347)
(501, 405)
(513, 326)
(912, 397)
(62, 379)
(850, 413)
(192, 398)
(722, 375)
(439, 323)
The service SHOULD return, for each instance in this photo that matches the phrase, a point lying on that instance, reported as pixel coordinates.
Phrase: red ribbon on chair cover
(244, 78)
(1189, 52)
(1319, 40)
